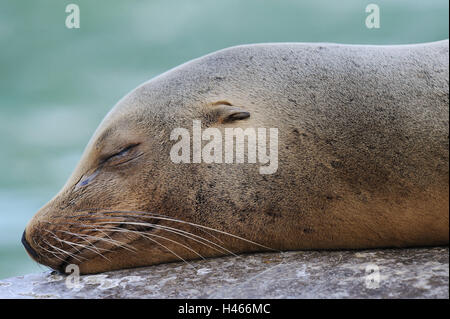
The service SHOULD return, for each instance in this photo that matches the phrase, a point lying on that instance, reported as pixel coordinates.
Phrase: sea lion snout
(37, 238)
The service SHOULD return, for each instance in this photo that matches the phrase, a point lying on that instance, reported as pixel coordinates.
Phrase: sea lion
(362, 160)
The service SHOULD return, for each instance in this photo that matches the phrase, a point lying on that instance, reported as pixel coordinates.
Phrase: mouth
(38, 258)
(30, 250)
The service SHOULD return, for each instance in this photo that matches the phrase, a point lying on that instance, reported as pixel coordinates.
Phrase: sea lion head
(126, 203)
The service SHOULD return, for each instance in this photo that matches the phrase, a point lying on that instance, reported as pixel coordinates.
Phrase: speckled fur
(363, 152)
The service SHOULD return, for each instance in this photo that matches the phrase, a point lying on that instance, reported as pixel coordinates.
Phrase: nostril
(28, 248)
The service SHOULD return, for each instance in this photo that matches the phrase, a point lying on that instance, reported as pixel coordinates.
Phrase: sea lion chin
(362, 160)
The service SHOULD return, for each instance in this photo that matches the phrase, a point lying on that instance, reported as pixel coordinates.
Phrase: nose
(30, 250)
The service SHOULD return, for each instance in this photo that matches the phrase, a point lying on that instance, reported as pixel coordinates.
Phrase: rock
(388, 273)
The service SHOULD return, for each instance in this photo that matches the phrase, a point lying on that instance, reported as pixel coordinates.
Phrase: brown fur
(363, 155)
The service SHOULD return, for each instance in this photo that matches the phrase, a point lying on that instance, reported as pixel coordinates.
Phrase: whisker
(169, 229)
(175, 254)
(94, 249)
(143, 234)
(63, 251)
(121, 244)
(140, 214)
(53, 253)
(176, 231)
(61, 240)
(162, 217)
(111, 241)
(89, 227)
(102, 215)
(168, 249)
(77, 244)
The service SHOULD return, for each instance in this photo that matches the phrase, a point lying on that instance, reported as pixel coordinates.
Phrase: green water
(57, 84)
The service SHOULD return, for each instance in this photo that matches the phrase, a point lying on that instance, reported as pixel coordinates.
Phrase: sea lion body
(362, 159)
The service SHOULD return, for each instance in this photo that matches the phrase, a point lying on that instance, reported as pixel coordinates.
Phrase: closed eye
(111, 160)
(125, 151)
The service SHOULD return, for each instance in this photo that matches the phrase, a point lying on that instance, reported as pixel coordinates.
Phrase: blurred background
(56, 84)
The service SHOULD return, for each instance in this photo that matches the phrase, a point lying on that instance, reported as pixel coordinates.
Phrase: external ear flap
(229, 113)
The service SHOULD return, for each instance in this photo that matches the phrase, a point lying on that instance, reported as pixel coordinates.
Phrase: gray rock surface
(390, 273)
